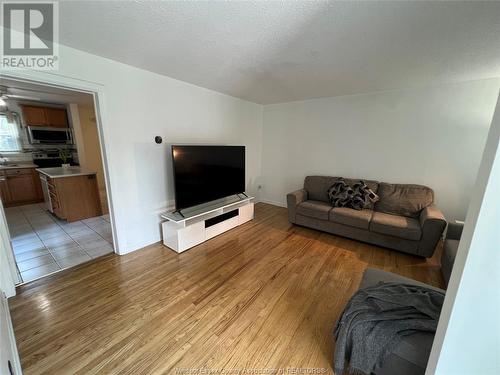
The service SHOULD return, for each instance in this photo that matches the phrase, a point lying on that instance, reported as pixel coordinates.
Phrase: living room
(309, 89)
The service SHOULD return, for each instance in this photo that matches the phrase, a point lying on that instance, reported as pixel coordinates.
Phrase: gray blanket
(376, 319)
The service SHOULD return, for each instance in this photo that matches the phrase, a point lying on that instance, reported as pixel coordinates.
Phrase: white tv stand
(194, 226)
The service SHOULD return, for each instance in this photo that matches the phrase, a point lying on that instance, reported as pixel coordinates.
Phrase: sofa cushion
(315, 209)
(409, 357)
(373, 276)
(395, 225)
(317, 187)
(354, 218)
(403, 199)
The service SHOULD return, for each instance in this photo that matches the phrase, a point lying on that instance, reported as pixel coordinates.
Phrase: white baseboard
(139, 245)
(274, 203)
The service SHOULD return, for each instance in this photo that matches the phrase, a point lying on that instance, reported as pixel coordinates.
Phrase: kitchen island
(70, 193)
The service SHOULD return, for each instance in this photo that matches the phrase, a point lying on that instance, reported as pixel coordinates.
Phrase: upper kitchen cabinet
(57, 117)
(45, 116)
(34, 116)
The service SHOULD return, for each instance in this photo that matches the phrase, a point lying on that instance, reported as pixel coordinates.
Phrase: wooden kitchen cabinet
(34, 116)
(45, 116)
(20, 186)
(57, 117)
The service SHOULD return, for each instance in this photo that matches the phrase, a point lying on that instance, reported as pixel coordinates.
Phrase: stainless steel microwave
(50, 135)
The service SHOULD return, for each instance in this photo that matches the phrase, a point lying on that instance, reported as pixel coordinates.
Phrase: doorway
(52, 178)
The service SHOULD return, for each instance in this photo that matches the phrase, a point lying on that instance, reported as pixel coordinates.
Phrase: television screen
(206, 173)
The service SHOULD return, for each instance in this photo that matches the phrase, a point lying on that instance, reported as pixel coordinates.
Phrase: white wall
(139, 105)
(432, 136)
(468, 335)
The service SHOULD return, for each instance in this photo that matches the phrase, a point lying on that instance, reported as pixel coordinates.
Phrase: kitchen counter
(60, 172)
(18, 166)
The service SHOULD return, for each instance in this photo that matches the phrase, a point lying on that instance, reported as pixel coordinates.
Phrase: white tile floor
(44, 244)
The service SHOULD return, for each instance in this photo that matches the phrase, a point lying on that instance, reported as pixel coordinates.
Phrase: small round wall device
(158, 139)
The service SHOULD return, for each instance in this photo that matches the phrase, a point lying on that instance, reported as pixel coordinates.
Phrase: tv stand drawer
(221, 227)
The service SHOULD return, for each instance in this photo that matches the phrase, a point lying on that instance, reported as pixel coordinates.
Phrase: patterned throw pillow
(357, 196)
(363, 195)
(340, 193)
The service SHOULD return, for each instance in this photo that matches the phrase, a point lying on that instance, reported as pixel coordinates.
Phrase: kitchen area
(51, 179)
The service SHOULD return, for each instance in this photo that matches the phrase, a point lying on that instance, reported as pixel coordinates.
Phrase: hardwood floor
(264, 295)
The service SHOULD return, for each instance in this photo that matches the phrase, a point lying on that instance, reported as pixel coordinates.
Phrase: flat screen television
(206, 173)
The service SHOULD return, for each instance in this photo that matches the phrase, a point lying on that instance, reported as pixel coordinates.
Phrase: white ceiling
(269, 52)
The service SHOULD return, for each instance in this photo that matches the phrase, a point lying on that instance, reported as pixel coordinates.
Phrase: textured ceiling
(269, 52)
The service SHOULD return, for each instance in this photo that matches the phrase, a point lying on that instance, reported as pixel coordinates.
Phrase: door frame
(11, 277)
(98, 93)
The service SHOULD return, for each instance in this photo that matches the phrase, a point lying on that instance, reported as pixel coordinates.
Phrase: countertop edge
(20, 166)
(83, 173)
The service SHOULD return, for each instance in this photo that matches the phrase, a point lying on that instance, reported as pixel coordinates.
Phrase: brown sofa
(404, 219)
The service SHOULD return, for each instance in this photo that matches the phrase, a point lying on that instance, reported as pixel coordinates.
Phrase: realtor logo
(30, 35)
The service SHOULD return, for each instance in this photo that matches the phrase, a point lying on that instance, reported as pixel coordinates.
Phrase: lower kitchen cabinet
(20, 186)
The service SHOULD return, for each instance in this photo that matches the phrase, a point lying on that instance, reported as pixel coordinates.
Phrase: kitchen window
(9, 132)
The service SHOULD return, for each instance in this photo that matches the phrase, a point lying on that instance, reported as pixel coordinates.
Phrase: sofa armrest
(292, 200)
(433, 223)
(454, 231)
